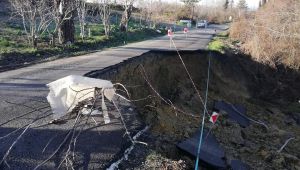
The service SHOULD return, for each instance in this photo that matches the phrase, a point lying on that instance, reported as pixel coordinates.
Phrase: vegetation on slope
(271, 35)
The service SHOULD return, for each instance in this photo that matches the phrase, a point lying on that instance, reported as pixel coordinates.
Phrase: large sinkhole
(270, 95)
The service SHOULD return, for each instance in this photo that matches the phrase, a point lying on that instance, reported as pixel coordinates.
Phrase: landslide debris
(270, 95)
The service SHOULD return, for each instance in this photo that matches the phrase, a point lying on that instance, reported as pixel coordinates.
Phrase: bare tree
(260, 4)
(128, 6)
(35, 17)
(242, 6)
(226, 4)
(63, 15)
(81, 7)
(146, 10)
(191, 5)
(231, 4)
(153, 11)
(105, 13)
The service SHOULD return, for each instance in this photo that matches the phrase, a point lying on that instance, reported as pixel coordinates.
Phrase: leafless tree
(191, 5)
(63, 14)
(81, 7)
(226, 4)
(158, 9)
(146, 10)
(149, 11)
(36, 17)
(155, 12)
(231, 4)
(128, 7)
(105, 13)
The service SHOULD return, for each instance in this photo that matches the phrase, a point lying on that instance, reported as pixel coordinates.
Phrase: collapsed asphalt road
(24, 90)
(255, 120)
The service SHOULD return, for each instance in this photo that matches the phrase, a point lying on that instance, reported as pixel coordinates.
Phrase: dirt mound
(269, 95)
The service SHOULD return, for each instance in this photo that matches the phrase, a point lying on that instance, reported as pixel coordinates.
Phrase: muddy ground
(270, 95)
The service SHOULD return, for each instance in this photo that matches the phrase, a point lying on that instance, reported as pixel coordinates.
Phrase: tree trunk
(106, 28)
(52, 40)
(125, 18)
(34, 41)
(68, 30)
(81, 12)
(60, 33)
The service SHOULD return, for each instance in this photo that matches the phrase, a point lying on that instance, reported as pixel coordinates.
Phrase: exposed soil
(270, 95)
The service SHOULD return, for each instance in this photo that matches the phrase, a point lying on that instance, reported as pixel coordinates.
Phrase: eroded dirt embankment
(269, 95)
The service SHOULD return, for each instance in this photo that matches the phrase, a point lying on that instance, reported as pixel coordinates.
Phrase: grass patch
(224, 34)
(14, 52)
(216, 45)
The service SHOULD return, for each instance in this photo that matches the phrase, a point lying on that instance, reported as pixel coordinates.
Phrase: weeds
(216, 45)
(271, 35)
(14, 53)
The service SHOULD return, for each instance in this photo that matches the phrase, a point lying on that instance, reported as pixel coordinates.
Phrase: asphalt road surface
(24, 91)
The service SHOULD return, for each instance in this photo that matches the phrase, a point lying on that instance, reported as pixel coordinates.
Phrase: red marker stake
(170, 33)
(214, 117)
(185, 31)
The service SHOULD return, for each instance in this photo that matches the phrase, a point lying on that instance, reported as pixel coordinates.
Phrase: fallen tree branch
(27, 113)
(13, 144)
(7, 135)
(75, 137)
(60, 145)
(123, 121)
(19, 137)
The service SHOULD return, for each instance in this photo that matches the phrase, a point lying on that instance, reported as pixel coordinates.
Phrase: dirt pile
(269, 95)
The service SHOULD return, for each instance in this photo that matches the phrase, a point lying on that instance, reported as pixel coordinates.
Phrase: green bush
(216, 45)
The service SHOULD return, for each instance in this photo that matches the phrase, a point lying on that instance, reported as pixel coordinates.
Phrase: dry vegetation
(272, 34)
(215, 14)
(173, 108)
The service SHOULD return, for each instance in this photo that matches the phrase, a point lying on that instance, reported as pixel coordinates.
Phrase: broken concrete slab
(235, 112)
(211, 152)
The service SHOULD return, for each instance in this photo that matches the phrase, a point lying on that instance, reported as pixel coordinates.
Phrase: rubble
(243, 137)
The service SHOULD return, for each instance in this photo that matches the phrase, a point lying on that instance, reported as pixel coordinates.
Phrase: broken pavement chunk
(235, 112)
(211, 152)
(67, 92)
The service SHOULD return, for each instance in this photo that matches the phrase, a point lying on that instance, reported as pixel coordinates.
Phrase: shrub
(271, 35)
(216, 45)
